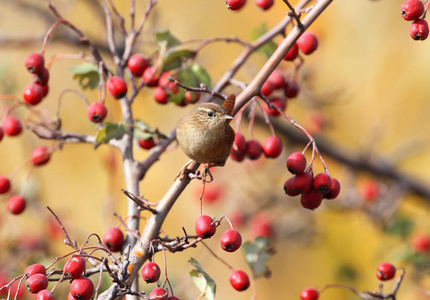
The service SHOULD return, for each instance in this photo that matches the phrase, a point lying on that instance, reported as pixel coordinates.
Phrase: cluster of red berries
(16, 203)
(38, 89)
(151, 273)
(238, 4)
(413, 10)
(312, 189)
(252, 149)
(230, 241)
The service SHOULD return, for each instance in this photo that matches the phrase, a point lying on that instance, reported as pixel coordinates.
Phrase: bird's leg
(206, 173)
(184, 171)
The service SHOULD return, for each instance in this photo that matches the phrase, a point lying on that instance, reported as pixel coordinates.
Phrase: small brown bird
(205, 134)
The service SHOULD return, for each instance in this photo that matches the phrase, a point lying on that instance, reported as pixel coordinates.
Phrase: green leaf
(142, 131)
(257, 254)
(401, 226)
(87, 74)
(267, 48)
(175, 59)
(202, 280)
(201, 74)
(166, 39)
(108, 132)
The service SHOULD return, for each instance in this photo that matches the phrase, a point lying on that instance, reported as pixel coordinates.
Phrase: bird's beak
(228, 117)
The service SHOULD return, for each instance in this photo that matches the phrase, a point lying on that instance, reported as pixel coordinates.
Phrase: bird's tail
(229, 103)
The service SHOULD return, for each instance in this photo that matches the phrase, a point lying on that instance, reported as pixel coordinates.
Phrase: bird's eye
(210, 114)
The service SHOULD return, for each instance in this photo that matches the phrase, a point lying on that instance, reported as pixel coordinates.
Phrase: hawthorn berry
(33, 94)
(192, 97)
(158, 293)
(278, 102)
(35, 63)
(35, 269)
(292, 53)
(322, 183)
(311, 199)
(36, 283)
(421, 244)
(165, 82)
(96, 112)
(160, 95)
(147, 144)
(44, 88)
(307, 43)
(113, 239)
(239, 280)
(82, 288)
(309, 294)
(267, 88)
(42, 78)
(45, 295)
(1, 133)
(369, 190)
(40, 156)
(302, 183)
(412, 9)
(4, 184)
(12, 126)
(264, 4)
(137, 64)
(419, 30)
(117, 87)
(291, 89)
(74, 267)
(16, 205)
(261, 225)
(235, 4)
(296, 163)
(289, 189)
(239, 144)
(272, 147)
(150, 272)
(205, 226)
(385, 271)
(212, 193)
(334, 190)
(277, 79)
(253, 149)
(149, 77)
(231, 240)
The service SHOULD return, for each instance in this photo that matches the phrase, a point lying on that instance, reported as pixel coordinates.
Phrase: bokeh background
(367, 82)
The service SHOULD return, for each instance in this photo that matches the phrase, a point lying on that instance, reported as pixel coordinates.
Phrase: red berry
(33, 94)
(307, 43)
(205, 226)
(149, 77)
(309, 294)
(150, 272)
(267, 88)
(45, 295)
(239, 144)
(289, 189)
(261, 225)
(74, 267)
(231, 240)
(291, 89)
(137, 64)
(292, 53)
(36, 283)
(296, 163)
(192, 97)
(235, 4)
(278, 102)
(96, 112)
(82, 288)
(44, 88)
(311, 199)
(272, 147)
(322, 183)
(412, 9)
(35, 269)
(12, 126)
(212, 193)
(40, 156)
(334, 190)
(385, 271)
(35, 63)
(253, 149)
(4, 184)
(158, 293)
(16, 205)
(1, 133)
(369, 190)
(147, 144)
(421, 243)
(277, 79)
(165, 82)
(302, 183)
(419, 29)
(113, 239)
(239, 280)
(264, 4)
(70, 297)
(117, 87)
(160, 95)
(42, 78)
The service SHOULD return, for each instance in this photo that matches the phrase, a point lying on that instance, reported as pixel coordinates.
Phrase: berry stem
(203, 88)
(292, 13)
(217, 257)
(48, 35)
